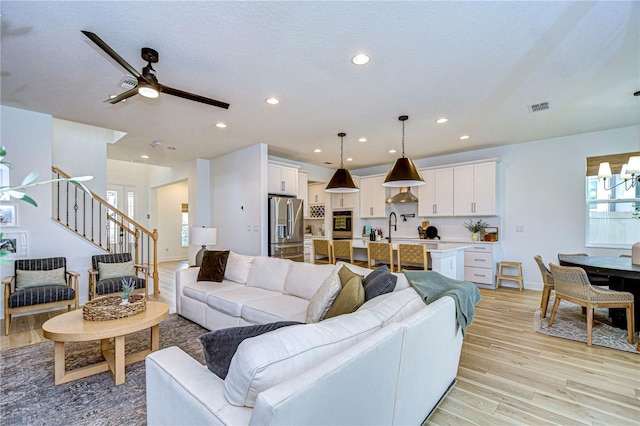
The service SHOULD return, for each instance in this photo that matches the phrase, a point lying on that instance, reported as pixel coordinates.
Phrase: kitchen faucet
(395, 224)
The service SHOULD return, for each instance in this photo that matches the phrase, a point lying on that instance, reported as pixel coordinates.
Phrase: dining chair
(380, 254)
(595, 279)
(572, 284)
(413, 256)
(322, 251)
(343, 250)
(547, 281)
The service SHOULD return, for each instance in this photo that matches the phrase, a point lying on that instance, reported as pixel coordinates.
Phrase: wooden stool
(503, 276)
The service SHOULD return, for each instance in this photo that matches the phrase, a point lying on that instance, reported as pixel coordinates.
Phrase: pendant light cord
(402, 138)
(341, 151)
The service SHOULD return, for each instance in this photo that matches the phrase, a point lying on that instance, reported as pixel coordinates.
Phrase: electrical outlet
(248, 228)
(519, 228)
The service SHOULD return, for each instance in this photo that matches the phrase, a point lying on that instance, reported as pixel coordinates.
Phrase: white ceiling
(480, 64)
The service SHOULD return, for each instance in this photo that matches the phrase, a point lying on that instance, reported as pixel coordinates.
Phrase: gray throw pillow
(219, 346)
(382, 282)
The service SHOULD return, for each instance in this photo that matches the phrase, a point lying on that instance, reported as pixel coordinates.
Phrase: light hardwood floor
(508, 373)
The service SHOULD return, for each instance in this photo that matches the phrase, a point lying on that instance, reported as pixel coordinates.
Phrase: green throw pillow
(116, 270)
(29, 279)
(346, 274)
(350, 298)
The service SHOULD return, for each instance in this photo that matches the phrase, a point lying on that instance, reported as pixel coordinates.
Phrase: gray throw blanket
(432, 285)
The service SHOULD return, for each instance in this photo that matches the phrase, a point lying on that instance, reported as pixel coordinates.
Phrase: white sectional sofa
(390, 362)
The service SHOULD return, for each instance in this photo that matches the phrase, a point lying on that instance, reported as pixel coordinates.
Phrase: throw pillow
(346, 274)
(219, 346)
(351, 297)
(323, 299)
(238, 267)
(29, 279)
(380, 283)
(116, 270)
(213, 265)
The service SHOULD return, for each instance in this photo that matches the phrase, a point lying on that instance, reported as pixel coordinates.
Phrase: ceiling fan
(148, 85)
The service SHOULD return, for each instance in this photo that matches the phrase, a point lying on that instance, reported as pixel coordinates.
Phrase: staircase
(98, 222)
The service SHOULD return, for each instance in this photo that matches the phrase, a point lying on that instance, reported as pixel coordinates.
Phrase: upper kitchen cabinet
(343, 200)
(303, 180)
(435, 197)
(283, 179)
(316, 193)
(474, 189)
(372, 197)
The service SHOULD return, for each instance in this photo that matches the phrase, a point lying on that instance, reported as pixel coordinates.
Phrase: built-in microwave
(342, 225)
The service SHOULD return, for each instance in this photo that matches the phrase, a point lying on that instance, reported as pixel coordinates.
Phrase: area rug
(571, 324)
(29, 396)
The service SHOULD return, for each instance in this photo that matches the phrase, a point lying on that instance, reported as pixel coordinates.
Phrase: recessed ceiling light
(463, 137)
(442, 120)
(349, 159)
(362, 140)
(221, 125)
(112, 96)
(317, 150)
(360, 59)
(144, 156)
(392, 151)
(272, 101)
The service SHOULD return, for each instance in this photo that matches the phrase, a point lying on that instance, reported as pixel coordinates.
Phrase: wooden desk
(72, 327)
(623, 276)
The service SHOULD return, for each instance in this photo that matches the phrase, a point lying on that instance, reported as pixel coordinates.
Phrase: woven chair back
(322, 248)
(547, 278)
(412, 253)
(342, 249)
(380, 252)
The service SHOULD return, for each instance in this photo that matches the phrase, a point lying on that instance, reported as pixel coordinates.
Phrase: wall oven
(342, 223)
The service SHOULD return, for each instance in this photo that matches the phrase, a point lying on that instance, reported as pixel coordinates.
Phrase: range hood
(404, 196)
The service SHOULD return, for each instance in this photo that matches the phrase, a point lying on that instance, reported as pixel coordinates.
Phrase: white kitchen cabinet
(480, 264)
(343, 200)
(373, 197)
(283, 179)
(316, 193)
(474, 189)
(303, 179)
(435, 197)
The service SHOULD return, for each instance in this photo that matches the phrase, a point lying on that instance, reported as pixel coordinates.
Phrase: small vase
(635, 253)
(475, 236)
(124, 302)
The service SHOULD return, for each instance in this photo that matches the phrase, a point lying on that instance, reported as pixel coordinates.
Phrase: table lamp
(203, 237)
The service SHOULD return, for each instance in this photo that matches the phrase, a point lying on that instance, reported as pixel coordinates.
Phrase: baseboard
(444, 395)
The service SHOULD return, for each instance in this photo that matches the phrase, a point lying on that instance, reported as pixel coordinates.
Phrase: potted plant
(127, 290)
(476, 228)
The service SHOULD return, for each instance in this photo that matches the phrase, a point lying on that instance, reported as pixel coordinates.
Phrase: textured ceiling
(480, 64)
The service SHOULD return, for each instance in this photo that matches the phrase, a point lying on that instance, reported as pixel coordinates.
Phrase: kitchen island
(446, 258)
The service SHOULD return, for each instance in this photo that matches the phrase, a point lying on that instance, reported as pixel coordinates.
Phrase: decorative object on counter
(432, 233)
(403, 173)
(342, 180)
(490, 234)
(476, 228)
(203, 237)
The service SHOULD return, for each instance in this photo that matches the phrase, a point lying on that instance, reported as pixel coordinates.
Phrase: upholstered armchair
(38, 284)
(110, 269)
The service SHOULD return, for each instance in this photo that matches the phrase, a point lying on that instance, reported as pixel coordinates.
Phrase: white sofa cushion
(269, 273)
(323, 299)
(394, 307)
(231, 302)
(200, 289)
(264, 361)
(304, 279)
(238, 266)
(279, 308)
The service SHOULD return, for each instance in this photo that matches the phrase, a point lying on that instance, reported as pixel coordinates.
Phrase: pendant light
(342, 180)
(404, 172)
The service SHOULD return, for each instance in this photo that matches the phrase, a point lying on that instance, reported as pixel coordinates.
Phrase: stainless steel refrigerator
(286, 228)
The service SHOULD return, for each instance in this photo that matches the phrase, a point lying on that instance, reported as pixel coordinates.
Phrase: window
(611, 213)
(185, 225)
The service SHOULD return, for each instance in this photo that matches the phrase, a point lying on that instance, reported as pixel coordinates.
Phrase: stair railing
(101, 224)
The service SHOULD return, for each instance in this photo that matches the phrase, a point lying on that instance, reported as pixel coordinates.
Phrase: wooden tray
(108, 308)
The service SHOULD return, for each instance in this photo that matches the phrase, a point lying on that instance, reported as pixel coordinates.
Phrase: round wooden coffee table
(72, 327)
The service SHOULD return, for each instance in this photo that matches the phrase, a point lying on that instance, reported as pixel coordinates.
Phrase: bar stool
(343, 250)
(380, 252)
(322, 252)
(412, 256)
(503, 276)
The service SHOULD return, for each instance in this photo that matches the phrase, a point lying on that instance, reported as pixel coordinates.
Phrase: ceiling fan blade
(123, 96)
(109, 51)
(192, 97)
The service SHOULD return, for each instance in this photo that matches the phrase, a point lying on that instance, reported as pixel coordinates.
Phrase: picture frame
(490, 234)
(8, 215)
(16, 243)
(4, 182)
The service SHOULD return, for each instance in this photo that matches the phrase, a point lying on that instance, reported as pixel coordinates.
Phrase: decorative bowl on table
(109, 308)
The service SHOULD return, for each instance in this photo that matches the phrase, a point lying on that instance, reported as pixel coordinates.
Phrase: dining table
(623, 276)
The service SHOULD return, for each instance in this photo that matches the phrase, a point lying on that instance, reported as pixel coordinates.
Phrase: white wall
(29, 139)
(239, 182)
(543, 189)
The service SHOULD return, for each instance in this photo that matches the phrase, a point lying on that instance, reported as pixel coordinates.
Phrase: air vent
(539, 107)
(129, 82)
